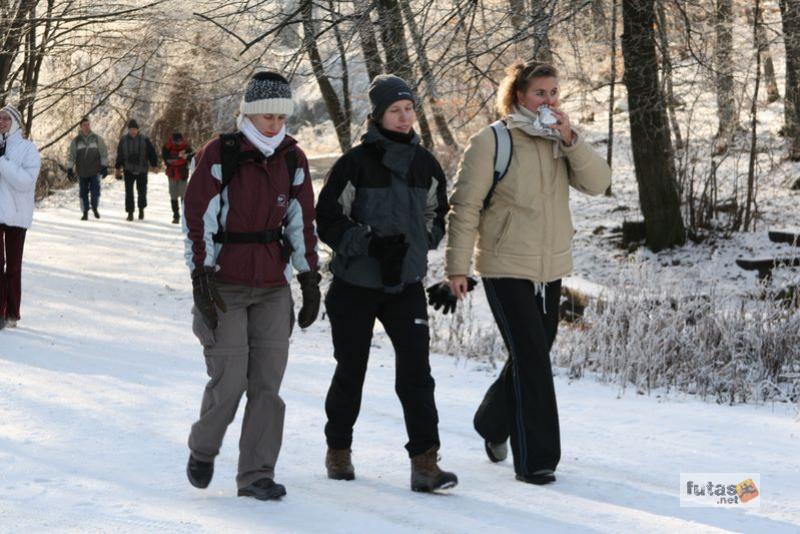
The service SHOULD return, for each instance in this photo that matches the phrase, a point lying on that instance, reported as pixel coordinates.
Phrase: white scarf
(267, 145)
(528, 121)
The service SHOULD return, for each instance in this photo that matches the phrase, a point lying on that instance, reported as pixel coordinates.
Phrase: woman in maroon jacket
(248, 212)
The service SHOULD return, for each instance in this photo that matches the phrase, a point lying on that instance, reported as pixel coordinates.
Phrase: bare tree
(652, 147)
(790, 16)
(727, 112)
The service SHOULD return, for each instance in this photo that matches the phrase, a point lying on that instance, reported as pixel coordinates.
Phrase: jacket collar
(395, 156)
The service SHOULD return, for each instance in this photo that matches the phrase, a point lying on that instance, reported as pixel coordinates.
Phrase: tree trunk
(790, 15)
(612, 89)
(652, 147)
(762, 43)
(427, 75)
(666, 65)
(517, 10)
(13, 32)
(334, 107)
(723, 70)
(397, 59)
(541, 15)
(751, 174)
(347, 101)
(366, 36)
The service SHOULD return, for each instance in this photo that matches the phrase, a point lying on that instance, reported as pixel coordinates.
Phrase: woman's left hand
(563, 126)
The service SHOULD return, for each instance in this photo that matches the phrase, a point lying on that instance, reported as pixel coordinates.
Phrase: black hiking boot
(176, 212)
(339, 464)
(540, 477)
(497, 452)
(96, 213)
(130, 216)
(141, 213)
(199, 473)
(85, 216)
(264, 489)
(426, 475)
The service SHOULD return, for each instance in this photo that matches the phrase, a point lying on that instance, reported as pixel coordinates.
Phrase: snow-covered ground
(102, 379)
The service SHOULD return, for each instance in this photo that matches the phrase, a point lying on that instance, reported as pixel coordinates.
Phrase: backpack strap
(230, 158)
(291, 164)
(503, 150)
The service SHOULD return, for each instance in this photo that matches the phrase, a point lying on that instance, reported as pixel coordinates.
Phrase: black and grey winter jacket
(87, 154)
(136, 154)
(382, 187)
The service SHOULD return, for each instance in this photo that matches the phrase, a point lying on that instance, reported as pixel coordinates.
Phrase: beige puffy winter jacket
(526, 232)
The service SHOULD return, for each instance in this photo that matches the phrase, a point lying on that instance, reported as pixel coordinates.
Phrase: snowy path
(101, 381)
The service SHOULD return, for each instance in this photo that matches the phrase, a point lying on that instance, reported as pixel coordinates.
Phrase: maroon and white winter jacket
(261, 196)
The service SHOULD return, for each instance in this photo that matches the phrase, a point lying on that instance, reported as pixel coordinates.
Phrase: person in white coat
(19, 168)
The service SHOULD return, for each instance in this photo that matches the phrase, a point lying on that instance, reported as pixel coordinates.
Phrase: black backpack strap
(230, 157)
(291, 164)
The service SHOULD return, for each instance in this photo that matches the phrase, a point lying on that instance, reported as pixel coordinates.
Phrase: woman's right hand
(458, 285)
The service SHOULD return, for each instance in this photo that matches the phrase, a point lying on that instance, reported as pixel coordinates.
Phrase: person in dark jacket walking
(381, 210)
(87, 162)
(134, 153)
(177, 154)
(244, 223)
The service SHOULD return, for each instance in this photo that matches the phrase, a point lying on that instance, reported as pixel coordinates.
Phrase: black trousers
(352, 312)
(521, 403)
(141, 190)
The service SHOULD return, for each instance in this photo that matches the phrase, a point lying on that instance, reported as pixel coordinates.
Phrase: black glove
(206, 296)
(440, 296)
(103, 171)
(309, 284)
(71, 175)
(390, 251)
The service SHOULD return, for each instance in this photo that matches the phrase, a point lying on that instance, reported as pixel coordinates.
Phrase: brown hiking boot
(426, 475)
(339, 464)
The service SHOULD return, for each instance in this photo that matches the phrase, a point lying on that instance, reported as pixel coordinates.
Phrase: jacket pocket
(504, 231)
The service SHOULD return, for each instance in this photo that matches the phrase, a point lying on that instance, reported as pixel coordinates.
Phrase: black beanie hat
(385, 90)
(133, 124)
(267, 92)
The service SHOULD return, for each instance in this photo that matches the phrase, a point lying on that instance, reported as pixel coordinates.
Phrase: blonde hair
(518, 76)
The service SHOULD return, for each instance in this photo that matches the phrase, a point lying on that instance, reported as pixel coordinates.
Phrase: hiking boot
(199, 473)
(141, 213)
(130, 216)
(176, 213)
(339, 464)
(540, 477)
(426, 475)
(264, 489)
(2, 323)
(85, 216)
(96, 213)
(497, 452)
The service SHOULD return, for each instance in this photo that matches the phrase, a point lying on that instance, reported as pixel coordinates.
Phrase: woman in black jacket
(381, 209)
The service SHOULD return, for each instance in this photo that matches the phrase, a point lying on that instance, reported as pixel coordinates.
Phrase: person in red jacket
(248, 213)
(177, 154)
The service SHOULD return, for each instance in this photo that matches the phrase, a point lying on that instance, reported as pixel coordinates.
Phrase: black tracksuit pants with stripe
(352, 311)
(521, 403)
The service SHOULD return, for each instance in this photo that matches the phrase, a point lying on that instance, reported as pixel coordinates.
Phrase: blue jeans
(86, 185)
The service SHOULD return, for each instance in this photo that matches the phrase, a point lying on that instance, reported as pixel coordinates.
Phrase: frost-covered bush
(652, 333)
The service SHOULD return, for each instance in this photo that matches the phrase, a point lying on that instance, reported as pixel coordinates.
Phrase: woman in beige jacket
(523, 249)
